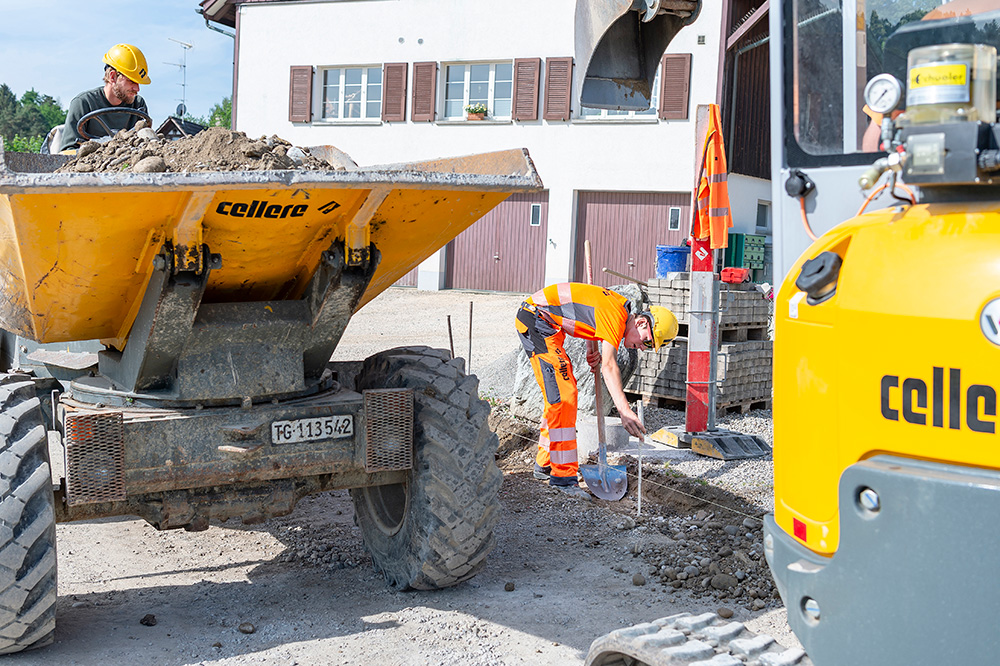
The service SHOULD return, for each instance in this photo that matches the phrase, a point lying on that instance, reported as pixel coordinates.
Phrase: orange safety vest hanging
(714, 219)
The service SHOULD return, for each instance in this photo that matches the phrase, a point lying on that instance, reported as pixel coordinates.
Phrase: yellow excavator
(885, 164)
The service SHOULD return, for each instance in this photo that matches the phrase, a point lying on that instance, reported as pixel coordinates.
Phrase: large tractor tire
(27, 521)
(435, 529)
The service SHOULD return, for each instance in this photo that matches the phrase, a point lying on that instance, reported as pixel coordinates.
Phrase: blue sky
(56, 47)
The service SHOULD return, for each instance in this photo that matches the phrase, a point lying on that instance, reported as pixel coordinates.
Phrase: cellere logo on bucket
(917, 401)
(272, 211)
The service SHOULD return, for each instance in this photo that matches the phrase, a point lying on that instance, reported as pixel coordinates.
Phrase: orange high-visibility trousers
(554, 374)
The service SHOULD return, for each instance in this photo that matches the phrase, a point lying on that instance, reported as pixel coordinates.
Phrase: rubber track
(27, 523)
(453, 507)
(691, 640)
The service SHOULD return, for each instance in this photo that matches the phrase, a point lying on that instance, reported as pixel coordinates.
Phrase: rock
(83, 168)
(147, 134)
(670, 573)
(296, 155)
(509, 587)
(704, 562)
(725, 613)
(638, 579)
(713, 568)
(682, 576)
(701, 515)
(247, 628)
(731, 530)
(152, 164)
(692, 570)
(750, 523)
(740, 575)
(627, 524)
(725, 551)
(758, 604)
(148, 620)
(723, 581)
(87, 148)
(217, 644)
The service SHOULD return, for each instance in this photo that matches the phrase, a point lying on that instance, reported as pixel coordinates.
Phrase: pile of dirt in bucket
(141, 150)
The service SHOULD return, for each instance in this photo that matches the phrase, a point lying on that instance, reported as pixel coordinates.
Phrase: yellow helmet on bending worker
(662, 322)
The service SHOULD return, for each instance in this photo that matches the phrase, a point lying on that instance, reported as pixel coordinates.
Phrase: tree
(29, 119)
(221, 115)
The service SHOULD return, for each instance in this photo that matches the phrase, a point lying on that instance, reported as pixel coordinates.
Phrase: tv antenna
(182, 107)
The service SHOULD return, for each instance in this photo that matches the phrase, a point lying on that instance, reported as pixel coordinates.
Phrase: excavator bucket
(618, 47)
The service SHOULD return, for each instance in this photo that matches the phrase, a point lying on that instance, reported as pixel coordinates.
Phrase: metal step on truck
(212, 395)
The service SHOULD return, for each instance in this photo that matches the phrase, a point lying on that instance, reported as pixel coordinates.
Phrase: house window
(352, 93)
(618, 114)
(674, 223)
(763, 215)
(536, 215)
(483, 83)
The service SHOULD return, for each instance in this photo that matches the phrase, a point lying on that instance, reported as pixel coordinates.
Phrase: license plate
(312, 430)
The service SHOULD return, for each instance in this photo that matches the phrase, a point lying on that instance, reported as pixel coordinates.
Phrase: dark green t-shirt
(92, 100)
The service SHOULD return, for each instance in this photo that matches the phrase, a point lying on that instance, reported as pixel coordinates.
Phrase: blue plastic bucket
(671, 259)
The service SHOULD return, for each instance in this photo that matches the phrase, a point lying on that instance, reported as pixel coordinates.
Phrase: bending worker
(124, 69)
(591, 313)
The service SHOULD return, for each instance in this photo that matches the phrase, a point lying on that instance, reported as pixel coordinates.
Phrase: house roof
(224, 11)
(173, 126)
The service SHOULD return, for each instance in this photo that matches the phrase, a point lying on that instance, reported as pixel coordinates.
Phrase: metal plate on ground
(312, 429)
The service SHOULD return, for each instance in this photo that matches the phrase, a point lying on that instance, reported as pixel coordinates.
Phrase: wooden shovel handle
(592, 346)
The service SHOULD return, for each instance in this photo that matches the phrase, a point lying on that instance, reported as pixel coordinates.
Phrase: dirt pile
(141, 150)
(691, 536)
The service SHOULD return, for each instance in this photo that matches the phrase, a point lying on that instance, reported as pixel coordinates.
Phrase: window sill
(615, 121)
(463, 121)
(349, 121)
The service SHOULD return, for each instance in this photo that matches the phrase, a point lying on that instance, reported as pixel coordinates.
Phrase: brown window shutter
(675, 86)
(300, 88)
(424, 91)
(558, 88)
(394, 91)
(526, 72)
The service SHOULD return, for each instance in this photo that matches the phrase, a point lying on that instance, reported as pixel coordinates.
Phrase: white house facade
(389, 81)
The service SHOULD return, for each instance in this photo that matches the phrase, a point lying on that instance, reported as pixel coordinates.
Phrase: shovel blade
(610, 486)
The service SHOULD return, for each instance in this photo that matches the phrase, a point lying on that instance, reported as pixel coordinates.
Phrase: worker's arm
(613, 380)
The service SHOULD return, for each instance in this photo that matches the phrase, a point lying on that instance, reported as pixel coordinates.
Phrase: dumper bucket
(77, 249)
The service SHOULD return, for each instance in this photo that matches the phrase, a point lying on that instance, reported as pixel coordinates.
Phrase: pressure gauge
(883, 93)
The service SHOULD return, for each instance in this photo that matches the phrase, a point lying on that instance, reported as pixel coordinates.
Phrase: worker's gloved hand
(593, 357)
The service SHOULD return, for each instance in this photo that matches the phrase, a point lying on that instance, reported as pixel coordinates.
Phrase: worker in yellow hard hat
(124, 70)
(591, 313)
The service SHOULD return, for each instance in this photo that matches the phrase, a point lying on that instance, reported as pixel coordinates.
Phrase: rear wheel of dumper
(435, 529)
(27, 521)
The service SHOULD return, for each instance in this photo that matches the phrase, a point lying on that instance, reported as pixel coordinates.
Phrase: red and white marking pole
(702, 310)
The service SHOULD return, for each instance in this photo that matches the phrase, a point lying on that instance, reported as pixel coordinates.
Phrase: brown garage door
(408, 280)
(624, 229)
(505, 250)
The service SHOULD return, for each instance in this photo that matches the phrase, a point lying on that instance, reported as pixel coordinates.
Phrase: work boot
(541, 473)
(573, 491)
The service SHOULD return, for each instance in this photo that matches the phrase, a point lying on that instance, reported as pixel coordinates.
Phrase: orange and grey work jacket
(576, 309)
(714, 219)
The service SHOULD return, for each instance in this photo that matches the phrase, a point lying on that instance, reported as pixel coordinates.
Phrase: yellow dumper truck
(219, 298)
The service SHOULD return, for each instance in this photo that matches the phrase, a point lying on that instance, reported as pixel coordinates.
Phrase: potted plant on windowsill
(475, 111)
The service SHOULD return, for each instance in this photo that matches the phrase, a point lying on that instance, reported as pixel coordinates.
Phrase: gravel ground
(301, 589)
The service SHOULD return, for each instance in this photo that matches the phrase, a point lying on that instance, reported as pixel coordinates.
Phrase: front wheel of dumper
(435, 529)
(27, 521)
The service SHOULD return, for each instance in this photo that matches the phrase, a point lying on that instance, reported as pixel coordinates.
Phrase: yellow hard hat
(128, 60)
(663, 323)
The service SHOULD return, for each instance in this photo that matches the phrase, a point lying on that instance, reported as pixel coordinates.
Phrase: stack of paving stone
(743, 367)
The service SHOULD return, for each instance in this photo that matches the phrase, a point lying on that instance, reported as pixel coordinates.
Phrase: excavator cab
(886, 186)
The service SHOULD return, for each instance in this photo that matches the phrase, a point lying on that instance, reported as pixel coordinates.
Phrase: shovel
(609, 482)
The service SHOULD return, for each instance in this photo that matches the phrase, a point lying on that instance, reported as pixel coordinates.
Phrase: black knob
(818, 277)
(798, 184)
